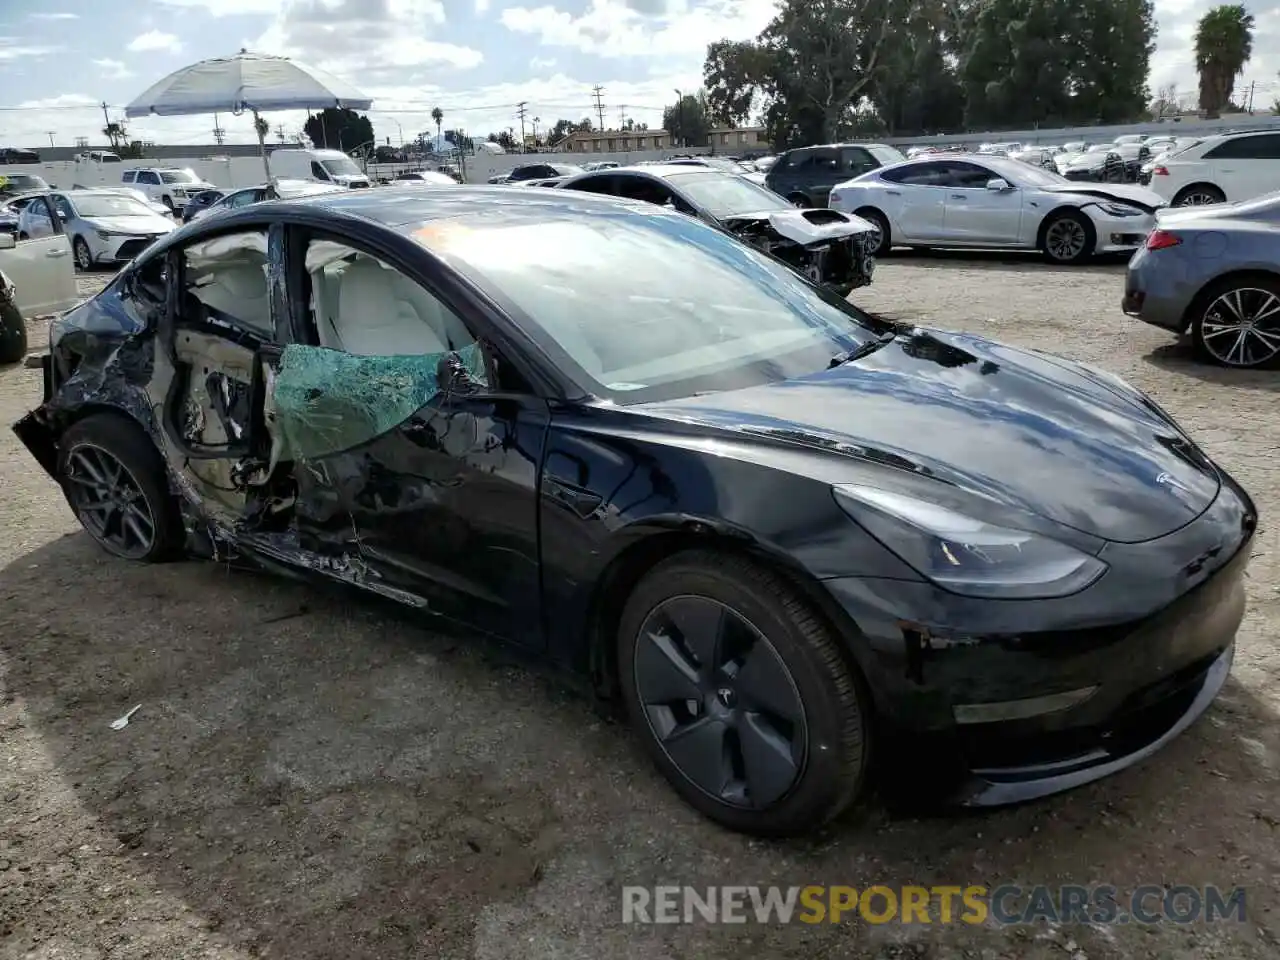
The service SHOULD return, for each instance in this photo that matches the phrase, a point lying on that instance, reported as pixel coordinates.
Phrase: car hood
(804, 226)
(1141, 197)
(1199, 215)
(131, 224)
(1037, 433)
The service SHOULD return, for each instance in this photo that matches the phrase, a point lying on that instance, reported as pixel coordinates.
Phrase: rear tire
(1221, 329)
(1199, 195)
(115, 482)
(13, 332)
(885, 242)
(766, 731)
(168, 202)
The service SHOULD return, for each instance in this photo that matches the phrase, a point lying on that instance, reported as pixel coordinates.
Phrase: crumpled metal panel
(326, 401)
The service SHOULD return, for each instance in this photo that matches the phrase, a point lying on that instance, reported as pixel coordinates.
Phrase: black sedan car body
(201, 201)
(828, 247)
(780, 532)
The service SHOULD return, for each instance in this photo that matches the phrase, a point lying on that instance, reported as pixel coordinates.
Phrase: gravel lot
(308, 778)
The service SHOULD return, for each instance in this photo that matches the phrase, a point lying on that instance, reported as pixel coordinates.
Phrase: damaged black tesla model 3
(780, 532)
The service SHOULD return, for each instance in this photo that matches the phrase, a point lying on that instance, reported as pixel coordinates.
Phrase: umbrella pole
(260, 129)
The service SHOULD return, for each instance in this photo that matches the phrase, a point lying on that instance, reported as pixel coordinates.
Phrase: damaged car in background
(827, 247)
(782, 534)
(989, 202)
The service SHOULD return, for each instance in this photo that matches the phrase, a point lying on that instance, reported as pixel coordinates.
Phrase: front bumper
(1151, 642)
(1119, 234)
(115, 248)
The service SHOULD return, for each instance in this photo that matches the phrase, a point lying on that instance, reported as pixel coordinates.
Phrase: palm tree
(438, 116)
(1224, 43)
(115, 132)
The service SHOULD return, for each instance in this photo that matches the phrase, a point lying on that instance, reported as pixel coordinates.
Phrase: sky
(475, 59)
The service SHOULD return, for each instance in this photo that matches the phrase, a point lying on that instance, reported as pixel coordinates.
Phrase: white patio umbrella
(248, 81)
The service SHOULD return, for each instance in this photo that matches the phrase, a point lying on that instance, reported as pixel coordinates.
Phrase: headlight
(107, 234)
(967, 556)
(1120, 210)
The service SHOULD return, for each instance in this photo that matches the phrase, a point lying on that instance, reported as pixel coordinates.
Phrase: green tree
(1042, 62)
(339, 128)
(686, 120)
(1224, 44)
(438, 116)
(116, 134)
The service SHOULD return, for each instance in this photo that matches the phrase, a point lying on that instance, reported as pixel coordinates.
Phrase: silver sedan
(104, 226)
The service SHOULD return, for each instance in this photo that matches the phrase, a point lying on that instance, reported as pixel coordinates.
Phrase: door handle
(894, 193)
(958, 196)
(57, 253)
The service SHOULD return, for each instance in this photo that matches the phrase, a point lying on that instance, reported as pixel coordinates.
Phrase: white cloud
(53, 16)
(642, 28)
(365, 41)
(60, 102)
(113, 69)
(541, 63)
(482, 6)
(228, 8)
(11, 48)
(154, 41)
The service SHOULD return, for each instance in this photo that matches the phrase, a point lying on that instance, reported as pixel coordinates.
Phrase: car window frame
(129, 176)
(988, 174)
(607, 179)
(885, 174)
(1273, 139)
(844, 166)
(486, 321)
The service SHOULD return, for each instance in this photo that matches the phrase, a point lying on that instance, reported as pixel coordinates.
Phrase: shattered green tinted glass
(326, 401)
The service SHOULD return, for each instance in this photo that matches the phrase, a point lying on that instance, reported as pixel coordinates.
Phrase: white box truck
(326, 166)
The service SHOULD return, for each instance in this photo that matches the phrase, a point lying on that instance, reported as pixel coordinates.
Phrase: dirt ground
(308, 778)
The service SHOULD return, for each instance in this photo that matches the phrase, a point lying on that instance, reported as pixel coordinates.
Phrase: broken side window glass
(325, 401)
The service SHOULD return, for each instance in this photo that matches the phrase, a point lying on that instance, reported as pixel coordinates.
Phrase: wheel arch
(1196, 184)
(1198, 302)
(1062, 208)
(660, 542)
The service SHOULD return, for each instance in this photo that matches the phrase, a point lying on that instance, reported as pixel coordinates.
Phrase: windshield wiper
(857, 353)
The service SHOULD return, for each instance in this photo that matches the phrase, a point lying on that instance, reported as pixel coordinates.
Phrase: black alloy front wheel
(742, 695)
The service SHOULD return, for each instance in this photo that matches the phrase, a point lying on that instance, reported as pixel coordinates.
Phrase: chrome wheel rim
(1198, 198)
(109, 502)
(720, 702)
(83, 260)
(1241, 328)
(1065, 240)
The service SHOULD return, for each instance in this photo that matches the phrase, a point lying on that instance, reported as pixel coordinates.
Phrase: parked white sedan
(965, 200)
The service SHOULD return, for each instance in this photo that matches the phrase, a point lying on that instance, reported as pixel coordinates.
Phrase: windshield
(566, 169)
(341, 167)
(649, 306)
(178, 176)
(23, 181)
(110, 205)
(109, 158)
(723, 196)
(886, 155)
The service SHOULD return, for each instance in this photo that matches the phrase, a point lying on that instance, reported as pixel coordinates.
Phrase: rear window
(885, 154)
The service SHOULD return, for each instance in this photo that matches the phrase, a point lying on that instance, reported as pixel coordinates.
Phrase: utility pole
(462, 153)
(535, 133)
(50, 133)
(280, 134)
(106, 119)
(219, 135)
(622, 117)
(521, 111)
(598, 92)
(1252, 86)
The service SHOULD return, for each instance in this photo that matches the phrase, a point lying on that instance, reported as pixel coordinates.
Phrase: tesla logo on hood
(1167, 480)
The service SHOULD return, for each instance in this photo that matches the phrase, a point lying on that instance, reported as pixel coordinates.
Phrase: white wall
(65, 174)
(485, 165)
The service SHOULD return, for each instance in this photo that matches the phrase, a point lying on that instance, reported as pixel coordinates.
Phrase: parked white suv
(172, 186)
(1231, 166)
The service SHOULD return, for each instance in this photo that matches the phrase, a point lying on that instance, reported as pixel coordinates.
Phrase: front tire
(1236, 322)
(84, 259)
(742, 696)
(168, 202)
(13, 331)
(884, 242)
(114, 480)
(1068, 238)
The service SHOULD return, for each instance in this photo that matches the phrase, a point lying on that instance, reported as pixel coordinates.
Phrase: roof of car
(395, 208)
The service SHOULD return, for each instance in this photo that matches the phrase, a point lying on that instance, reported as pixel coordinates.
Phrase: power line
(598, 92)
